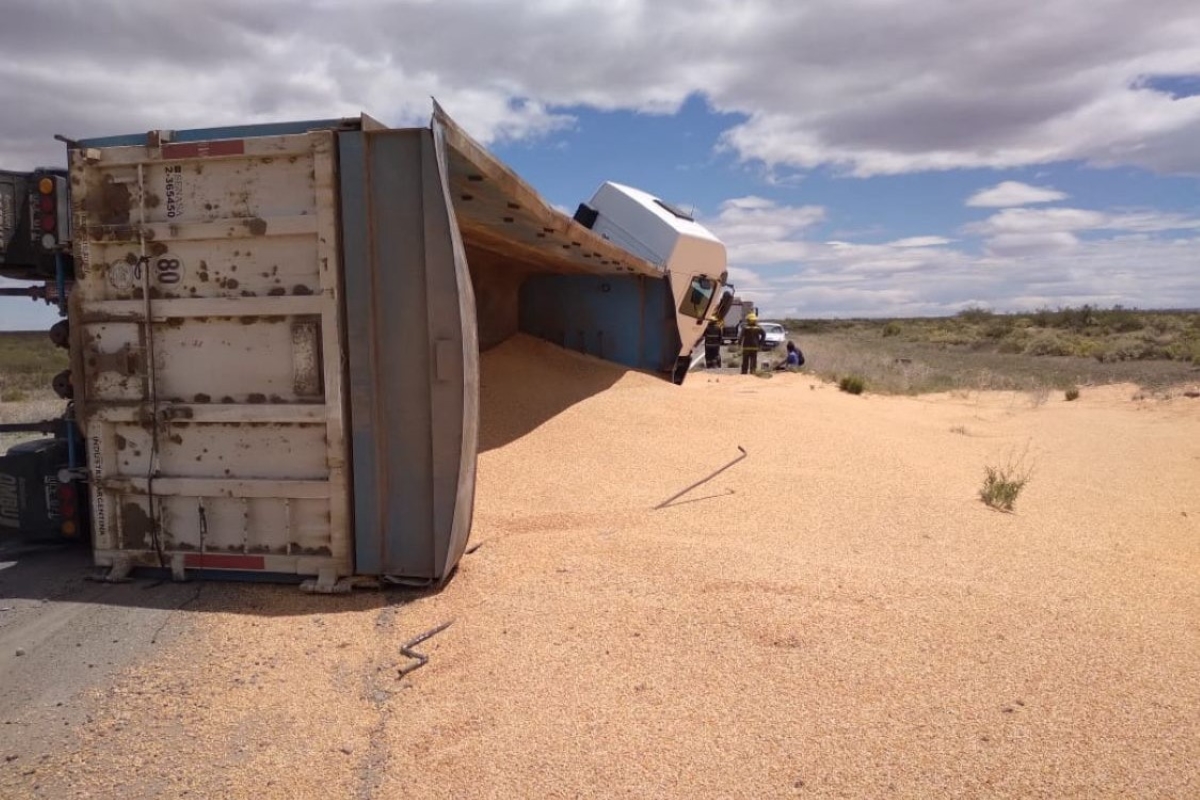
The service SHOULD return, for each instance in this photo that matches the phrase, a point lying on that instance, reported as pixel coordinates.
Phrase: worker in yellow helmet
(752, 341)
(712, 343)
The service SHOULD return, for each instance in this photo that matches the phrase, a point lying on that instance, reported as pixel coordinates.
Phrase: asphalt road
(63, 636)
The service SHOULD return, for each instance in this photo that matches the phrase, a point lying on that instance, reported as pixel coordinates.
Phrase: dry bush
(1003, 485)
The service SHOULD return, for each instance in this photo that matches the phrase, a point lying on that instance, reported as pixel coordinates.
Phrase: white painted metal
(216, 432)
(640, 223)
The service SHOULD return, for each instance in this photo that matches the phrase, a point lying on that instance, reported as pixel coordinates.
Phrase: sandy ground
(836, 615)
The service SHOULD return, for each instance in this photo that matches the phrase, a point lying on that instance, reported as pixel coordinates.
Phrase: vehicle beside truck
(735, 315)
(774, 335)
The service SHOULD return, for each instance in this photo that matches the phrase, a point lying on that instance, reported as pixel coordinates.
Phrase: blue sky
(858, 157)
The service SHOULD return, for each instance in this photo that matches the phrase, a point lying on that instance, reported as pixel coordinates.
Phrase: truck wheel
(62, 385)
(60, 333)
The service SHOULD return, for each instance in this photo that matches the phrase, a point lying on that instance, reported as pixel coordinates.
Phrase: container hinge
(122, 565)
(178, 572)
(326, 582)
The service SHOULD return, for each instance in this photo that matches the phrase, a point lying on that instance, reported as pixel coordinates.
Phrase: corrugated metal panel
(519, 245)
(207, 333)
(413, 357)
(626, 319)
(500, 213)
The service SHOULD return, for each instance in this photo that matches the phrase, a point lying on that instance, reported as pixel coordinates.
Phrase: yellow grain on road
(835, 615)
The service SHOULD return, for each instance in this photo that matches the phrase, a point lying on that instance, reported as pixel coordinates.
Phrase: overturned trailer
(275, 336)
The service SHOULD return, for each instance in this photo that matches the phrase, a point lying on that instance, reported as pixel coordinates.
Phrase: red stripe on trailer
(221, 147)
(220, 561)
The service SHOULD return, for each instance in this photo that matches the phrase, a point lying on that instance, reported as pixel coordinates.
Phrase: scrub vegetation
(1002, 485)
(852, 384)
(979, 350)
(28, 363)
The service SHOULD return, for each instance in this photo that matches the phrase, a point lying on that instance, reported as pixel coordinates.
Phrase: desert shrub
(1072, 393)
(975, 315)
(812, 325)
(1042, 318)
(1085, 348)
(1077, 319)
(999, 327)
(1074, 319)
(1118, 351)
(950, 335)
(1011, 346)
(1048, 344)
(1184, 350)
(1001, 488)
(891, 329)
(1002, 485)
(1165, 323)
(852, 384)
(1120, 320)
(1151, 350)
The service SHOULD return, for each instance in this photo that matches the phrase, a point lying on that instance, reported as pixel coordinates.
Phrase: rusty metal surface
(205, 309)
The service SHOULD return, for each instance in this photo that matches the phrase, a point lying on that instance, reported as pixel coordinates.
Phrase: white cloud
(1028, 258)
(1151, 222)
(879, 282)
(1038, 220)
(854, 84)
(1028, 244)
(1013, 193)
(1030, 231)
(920, 241)
(1050, 220)
(756, 230)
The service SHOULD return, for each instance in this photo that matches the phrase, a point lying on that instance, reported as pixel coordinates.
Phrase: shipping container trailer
(275, 335)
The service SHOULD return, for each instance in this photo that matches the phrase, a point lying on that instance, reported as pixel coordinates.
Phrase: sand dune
(835, 615)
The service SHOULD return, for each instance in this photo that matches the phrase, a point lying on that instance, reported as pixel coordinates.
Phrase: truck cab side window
(697, 298)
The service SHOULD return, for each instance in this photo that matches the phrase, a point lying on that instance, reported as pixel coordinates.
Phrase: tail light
(52, 212)
(68, 509)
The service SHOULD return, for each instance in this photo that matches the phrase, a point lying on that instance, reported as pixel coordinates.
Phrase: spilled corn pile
(834, 615)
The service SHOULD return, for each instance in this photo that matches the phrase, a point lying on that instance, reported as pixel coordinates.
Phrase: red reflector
(220, 561)
(48, 222)
(227, 147)
(66, 501)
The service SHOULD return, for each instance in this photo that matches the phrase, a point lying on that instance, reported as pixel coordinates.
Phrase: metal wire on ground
(702, 481)
(406, 649)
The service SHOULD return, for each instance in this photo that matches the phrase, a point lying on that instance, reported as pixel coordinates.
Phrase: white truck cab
(690, 257)
(656, 230)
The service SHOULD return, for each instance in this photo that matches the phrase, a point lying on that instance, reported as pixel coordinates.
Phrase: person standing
(751, 341)
(712, 344)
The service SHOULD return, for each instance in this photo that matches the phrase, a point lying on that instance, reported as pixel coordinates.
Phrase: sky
(878, 158)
